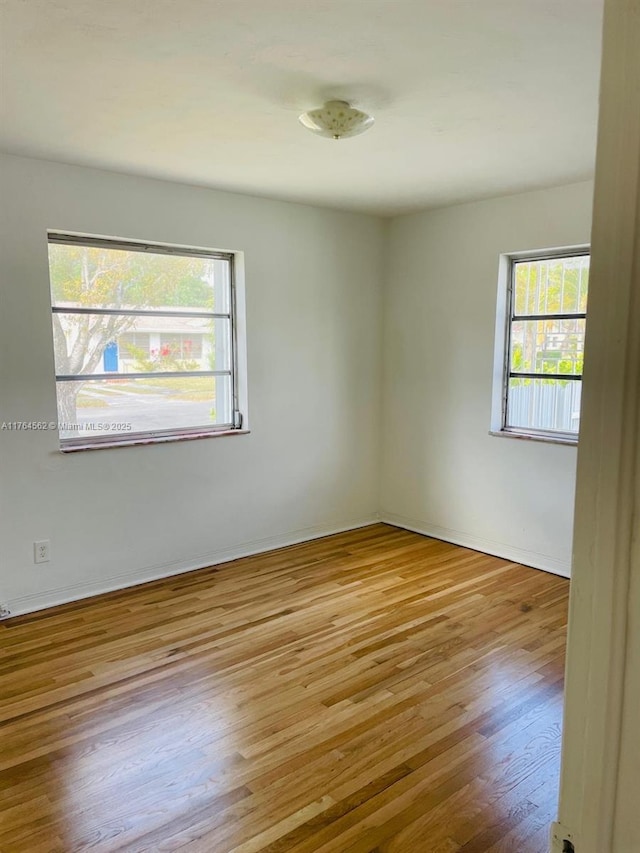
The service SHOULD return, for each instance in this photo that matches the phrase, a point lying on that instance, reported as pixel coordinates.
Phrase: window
(132, 344)
(144, 341)
(542, 352)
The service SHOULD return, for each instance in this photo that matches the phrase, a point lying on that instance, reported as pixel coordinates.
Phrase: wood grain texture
(372, 692)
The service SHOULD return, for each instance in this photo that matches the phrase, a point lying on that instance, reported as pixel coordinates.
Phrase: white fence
(545, 405)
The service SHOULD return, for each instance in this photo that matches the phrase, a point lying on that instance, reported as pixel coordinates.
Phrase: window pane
(544, 404)
(101, 277)
(547, 346)
(554, 286)
(120, 406)
(112, 343)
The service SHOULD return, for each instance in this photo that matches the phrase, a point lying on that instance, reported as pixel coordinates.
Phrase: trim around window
(547, 437)
(540, 319)
(121, 376)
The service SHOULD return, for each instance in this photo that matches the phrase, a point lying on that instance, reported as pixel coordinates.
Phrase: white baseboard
(85, 589)
(478, 543)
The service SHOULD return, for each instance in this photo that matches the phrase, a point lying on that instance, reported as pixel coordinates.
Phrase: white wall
(309, 466)
(442, 473)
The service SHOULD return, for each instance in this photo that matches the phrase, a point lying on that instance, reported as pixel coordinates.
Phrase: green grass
(193, 383)
(90, 403)
(195, 389)
(194, 396)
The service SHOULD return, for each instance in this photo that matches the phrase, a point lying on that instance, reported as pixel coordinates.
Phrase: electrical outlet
(5, 611)
(41, 551)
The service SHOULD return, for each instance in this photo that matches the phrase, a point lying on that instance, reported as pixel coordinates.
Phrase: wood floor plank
(371, 692)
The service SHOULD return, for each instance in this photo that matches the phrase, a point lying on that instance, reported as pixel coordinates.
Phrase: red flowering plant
(169, 357)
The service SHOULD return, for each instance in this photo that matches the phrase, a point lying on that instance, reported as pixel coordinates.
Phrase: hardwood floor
(371, 692)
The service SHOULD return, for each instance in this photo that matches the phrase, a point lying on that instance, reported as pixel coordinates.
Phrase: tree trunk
(67, 396)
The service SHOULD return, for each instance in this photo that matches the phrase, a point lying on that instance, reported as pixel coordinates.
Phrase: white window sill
(527, 436)
(139, 440)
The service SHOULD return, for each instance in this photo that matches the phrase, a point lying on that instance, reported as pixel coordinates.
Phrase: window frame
(502, 361)
(117, 439)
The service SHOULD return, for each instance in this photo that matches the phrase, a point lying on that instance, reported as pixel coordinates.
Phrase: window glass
(143, 340)
(545, 344)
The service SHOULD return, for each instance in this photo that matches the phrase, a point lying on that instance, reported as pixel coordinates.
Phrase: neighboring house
(157, 338)
(153, 343)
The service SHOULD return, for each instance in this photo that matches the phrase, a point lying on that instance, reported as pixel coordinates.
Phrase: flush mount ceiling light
(336, 120)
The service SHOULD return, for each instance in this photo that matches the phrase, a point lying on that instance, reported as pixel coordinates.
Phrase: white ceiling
(472, 98)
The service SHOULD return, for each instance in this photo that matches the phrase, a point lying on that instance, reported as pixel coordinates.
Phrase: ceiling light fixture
(336, 120)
